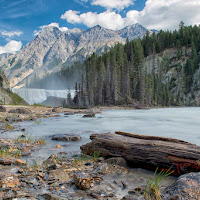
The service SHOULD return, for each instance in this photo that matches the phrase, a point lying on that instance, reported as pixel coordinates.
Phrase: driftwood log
(148, 152)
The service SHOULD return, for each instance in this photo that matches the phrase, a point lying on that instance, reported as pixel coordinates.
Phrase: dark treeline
(120, 76)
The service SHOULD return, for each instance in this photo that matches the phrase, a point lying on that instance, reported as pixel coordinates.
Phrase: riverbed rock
(90, 115)
(186, 187)
(66, 137)
(16, 118)
(104, 168)
(20, 162)
(2, 108)
(117, 161)
(83, 180)
(69, 113)
(60, 174)
(8, 180)
(20, 111)
(56, 110)
(4, 161)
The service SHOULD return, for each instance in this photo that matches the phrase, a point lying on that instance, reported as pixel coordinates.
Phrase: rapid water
(32, 95)
(180, 123)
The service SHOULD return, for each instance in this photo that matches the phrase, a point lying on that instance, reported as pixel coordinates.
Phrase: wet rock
(30, 180)
(60, 174)
(20, 162)
(5, 161)
(54, 166)
(66, 137)
(104, 168)
(20, 111)
(49, 196)
(8, 180)
(2, 108)
(92, 115)
(56, 110)
(186, 187)
(117, 161)
(130, 197)
(13, 119)
(100, 159)
(95, 195)
(58, 146)
(69, 113)
(23, 129)
(83, 180)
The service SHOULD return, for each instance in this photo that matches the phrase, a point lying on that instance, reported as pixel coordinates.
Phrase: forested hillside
(160, 69)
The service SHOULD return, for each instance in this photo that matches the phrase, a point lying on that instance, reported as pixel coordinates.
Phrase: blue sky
(21, 19)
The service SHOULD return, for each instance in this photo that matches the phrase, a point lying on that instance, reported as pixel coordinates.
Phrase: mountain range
(51, 50)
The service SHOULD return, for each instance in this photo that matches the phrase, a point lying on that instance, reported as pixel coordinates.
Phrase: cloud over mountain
(11, 47)
(162, 14)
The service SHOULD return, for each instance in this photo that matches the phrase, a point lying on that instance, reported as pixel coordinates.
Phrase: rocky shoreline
(80, 177)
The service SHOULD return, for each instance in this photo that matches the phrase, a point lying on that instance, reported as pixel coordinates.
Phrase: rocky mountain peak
(53, 49)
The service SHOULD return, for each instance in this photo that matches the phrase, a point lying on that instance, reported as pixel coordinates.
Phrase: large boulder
(20, 111)
(2, 108)
(187, 187)
(66, 137)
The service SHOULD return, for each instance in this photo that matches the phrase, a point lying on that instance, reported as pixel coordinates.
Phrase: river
(180, 123)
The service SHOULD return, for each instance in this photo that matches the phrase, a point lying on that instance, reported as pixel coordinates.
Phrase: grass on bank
(10, 153)
(153, 186)
(26, 138)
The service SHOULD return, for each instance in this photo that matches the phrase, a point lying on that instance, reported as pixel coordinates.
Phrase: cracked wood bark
(147, 152)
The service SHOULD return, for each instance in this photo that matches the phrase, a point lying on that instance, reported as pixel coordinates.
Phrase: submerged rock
(187, 187)
(83, 180)
(91, 115)
(66, 137)
(69, 113)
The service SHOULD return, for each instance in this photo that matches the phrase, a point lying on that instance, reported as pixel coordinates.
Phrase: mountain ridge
(53, 49)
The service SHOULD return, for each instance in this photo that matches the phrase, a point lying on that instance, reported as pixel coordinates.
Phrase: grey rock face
(52, 49)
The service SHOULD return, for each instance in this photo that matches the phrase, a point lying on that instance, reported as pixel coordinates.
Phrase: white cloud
(108, 19)
(157, 14)
(11, 47)
(164, 14)
(110, 4)
(11, 33)
(54, 24)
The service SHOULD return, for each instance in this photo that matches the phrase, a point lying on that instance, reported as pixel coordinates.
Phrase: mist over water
(37, 96)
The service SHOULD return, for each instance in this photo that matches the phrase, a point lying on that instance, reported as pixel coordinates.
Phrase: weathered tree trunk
(147, 152)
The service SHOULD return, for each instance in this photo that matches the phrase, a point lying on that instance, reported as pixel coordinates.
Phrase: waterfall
(37, 96)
